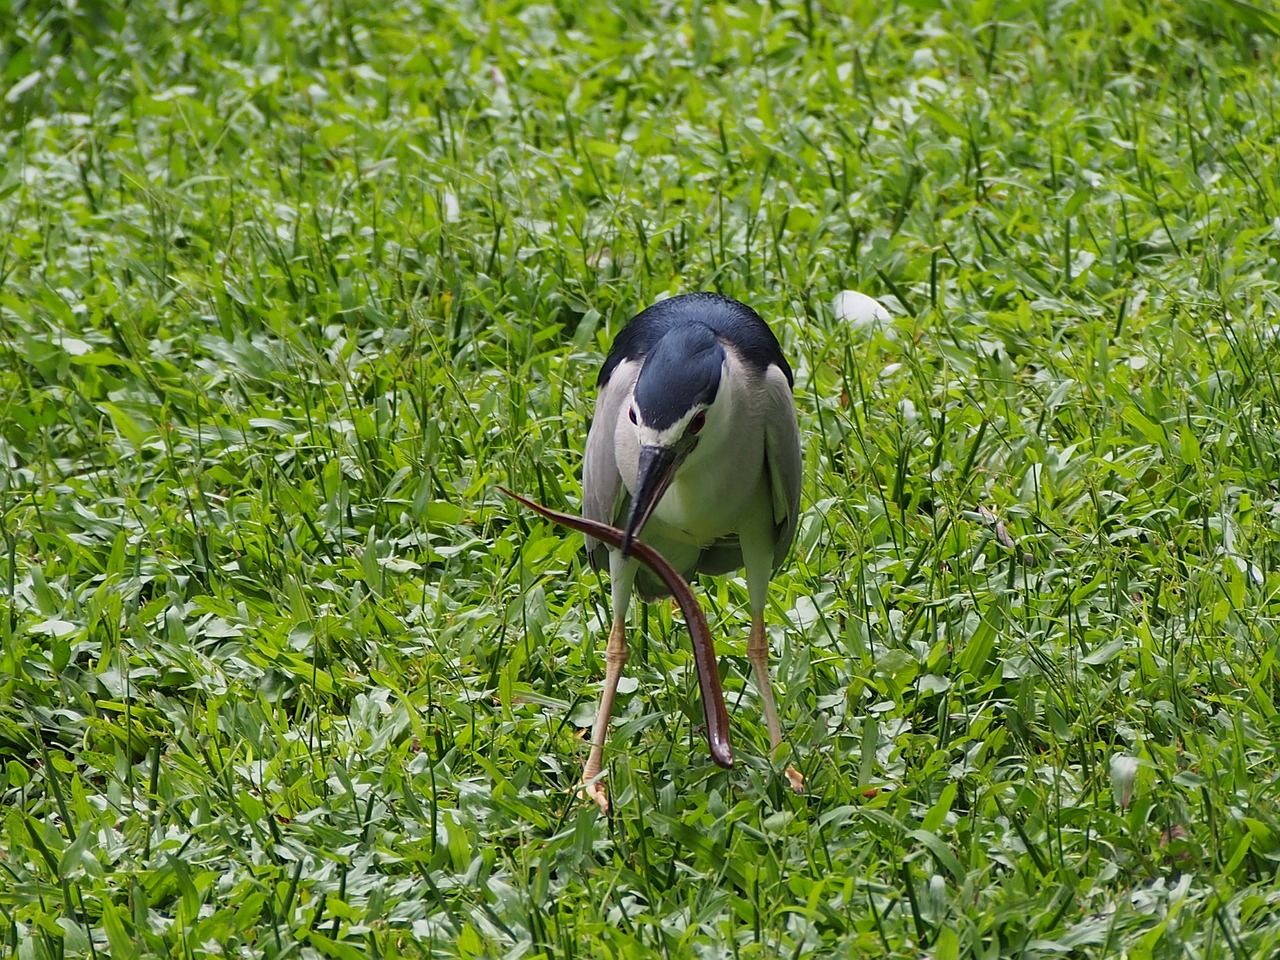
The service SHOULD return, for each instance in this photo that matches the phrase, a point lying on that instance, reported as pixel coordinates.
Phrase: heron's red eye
(632, 414)
(698, 422)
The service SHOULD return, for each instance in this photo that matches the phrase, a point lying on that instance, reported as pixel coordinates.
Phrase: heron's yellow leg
(615, 658)
(758, 654)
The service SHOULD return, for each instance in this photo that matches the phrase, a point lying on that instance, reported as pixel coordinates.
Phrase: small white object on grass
(1124, 772)
(450, 210)
(860, 311)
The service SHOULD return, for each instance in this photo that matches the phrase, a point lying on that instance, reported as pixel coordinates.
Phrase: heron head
(677, 386)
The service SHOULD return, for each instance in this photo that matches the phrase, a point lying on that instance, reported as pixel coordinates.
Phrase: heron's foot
(594, 789)
(795, 778)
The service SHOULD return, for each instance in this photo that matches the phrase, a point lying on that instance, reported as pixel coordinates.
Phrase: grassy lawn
(287, 290)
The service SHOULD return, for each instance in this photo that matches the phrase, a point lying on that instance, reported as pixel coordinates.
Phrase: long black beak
(657, 468)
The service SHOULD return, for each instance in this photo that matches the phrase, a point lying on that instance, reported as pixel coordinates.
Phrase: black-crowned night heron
(695, 443)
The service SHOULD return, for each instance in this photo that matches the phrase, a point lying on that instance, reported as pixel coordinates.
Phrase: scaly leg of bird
(615, 658)
(757, 552)
(622, 575)
(758, 654)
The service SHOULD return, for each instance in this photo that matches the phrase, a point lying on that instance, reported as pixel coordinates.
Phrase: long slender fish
(704, 651)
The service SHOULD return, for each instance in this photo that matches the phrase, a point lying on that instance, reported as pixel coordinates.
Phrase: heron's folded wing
(602, 491)
(782, 460)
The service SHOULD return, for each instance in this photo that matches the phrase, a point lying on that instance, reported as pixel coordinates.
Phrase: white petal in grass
(937, 896)
(860, 311)
(451, 210)
(1124, 774)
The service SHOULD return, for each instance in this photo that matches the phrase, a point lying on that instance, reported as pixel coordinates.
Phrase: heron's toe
(595, 790)
(795, 778)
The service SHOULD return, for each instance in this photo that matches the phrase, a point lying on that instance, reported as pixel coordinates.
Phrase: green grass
(286, 292)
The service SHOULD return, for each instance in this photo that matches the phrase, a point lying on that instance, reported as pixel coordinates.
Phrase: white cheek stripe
(661, 438)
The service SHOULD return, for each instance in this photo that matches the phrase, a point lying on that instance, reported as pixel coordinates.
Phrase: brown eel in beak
(704, 653)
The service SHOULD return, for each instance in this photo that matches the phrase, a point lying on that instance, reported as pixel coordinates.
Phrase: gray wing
(601, 482)
(782, 460)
